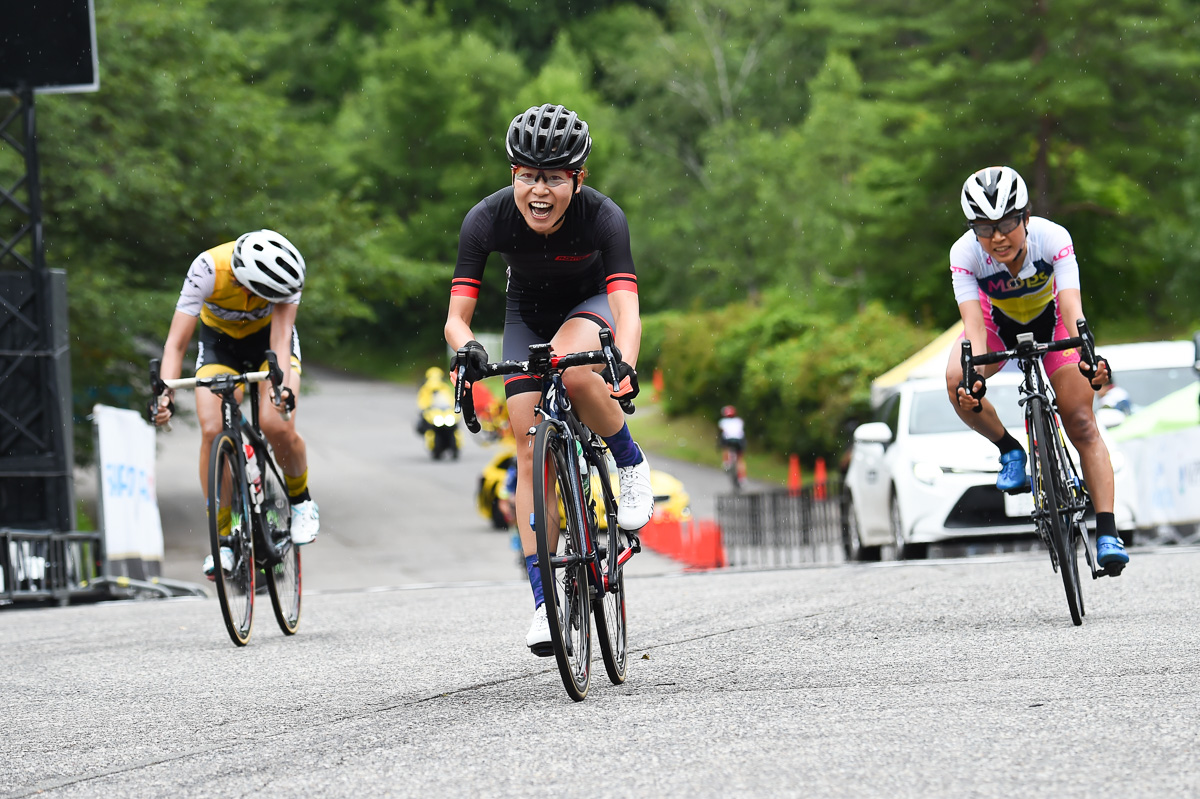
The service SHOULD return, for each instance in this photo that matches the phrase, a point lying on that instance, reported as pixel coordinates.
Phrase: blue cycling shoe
(1013, 478)
(1110, 554)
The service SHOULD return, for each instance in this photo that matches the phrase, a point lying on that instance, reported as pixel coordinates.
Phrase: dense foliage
(800, 159)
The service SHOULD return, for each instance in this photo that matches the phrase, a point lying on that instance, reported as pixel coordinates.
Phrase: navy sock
(1106, 524)
(535, 580)
(624, 451)
(1008, 443)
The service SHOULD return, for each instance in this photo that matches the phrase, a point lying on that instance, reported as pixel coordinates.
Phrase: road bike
(249, 513)
(1060, 497)
(581, 552)
(734, 465)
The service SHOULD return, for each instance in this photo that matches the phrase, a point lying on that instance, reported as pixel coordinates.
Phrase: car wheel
(901, 549)
(851, 540)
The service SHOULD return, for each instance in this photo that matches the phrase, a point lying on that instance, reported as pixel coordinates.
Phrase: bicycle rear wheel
(228, 501)
(610, 608)
(282, 566)
(564, 583)
(1056, 504)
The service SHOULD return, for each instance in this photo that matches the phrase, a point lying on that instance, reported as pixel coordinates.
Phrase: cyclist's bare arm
(976, 333)
(458, 321)
(1070, 307)
(627, 318)
(283, 319)
(178, 337)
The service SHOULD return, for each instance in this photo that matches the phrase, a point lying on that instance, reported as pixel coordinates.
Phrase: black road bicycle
(1060, 497)
(581, 551)
(247, 496)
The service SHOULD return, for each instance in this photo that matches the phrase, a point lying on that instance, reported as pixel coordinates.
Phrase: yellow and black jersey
(211, 292)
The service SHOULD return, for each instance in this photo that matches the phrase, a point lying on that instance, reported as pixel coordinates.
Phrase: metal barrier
(780, 528)
(40, 566)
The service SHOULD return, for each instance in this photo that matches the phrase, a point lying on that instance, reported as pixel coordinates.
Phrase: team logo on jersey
(572, 257)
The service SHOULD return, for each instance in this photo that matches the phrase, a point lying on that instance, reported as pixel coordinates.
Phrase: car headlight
(926, 472)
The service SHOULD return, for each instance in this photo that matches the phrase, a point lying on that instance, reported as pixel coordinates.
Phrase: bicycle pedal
(1025, 489)
(635, 543)
(543, 650)
(1114, 569)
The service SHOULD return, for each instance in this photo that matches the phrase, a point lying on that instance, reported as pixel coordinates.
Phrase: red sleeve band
(622, 281)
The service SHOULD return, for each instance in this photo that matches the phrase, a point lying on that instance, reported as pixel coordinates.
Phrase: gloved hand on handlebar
(627, 377)
(284, 399)
(1097, 375)
(965, 391)
(161, 408)
(474, 357)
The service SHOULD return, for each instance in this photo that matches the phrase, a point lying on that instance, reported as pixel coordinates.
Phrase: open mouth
(540, 210)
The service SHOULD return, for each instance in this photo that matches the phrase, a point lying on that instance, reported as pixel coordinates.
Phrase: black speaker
(48, 45)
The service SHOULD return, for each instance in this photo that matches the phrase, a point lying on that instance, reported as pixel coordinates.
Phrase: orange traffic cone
(794, 480)
(819, 479)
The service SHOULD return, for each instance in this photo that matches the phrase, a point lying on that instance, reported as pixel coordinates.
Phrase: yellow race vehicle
(671, 500)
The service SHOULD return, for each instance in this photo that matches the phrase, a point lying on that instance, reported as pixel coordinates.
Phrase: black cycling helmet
(548, 137)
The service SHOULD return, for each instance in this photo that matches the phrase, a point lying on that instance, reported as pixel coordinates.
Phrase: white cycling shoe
(538, 638)
(226, 563)
(306, 522)
(636, 504)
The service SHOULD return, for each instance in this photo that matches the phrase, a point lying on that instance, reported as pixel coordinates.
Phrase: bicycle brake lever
(611, 357)
(464, 401)
(970, 376)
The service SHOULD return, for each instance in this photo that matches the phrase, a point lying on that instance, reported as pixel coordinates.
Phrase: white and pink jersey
(1049, 267)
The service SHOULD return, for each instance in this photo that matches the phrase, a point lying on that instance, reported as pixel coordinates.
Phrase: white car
(919, 475)
(1144, 373)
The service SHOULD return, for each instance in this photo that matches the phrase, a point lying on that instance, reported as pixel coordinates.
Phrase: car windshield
(932, 413)
(1150, 385)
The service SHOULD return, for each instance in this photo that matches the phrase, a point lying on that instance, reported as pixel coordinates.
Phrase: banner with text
(132, 527)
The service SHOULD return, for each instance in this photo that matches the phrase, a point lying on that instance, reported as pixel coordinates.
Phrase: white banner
(1168, 475)
(128, 501)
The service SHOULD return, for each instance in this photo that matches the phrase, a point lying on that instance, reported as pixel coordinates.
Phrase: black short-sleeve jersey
(588, 255)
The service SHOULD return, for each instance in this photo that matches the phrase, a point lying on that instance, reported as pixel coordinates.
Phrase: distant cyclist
(1014, 273)
(245, 294)
(570, 274)
(731, 434)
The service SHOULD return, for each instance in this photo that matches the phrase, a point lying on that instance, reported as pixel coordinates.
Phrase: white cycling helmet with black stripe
(268, 264)
(993, 193)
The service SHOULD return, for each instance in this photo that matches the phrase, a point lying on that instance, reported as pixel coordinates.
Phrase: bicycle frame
(235, 421)
(1035, 388)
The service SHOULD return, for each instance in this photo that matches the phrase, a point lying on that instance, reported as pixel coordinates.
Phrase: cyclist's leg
(290, 449)
(213, 357)
(593, 401)
(521, 393)
(1075, 397)
(987, 422)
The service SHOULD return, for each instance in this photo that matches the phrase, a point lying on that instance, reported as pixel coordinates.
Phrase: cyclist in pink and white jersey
(1014, 273)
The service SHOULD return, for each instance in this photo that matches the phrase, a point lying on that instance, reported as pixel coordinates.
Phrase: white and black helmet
(548, 137)
(993, 193)
(267, 264)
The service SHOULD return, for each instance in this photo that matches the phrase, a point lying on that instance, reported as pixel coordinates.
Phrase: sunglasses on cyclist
(985, 230)
(530, 178)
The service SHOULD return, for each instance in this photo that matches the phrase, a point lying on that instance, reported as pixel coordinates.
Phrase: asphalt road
(409, 676)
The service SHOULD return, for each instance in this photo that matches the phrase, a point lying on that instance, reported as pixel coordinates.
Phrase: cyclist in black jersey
(570, 273)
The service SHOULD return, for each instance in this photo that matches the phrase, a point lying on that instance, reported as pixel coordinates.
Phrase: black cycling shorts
(221, 353)
(537, 325)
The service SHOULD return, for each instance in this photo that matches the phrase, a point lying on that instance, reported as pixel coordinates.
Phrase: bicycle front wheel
(281, 561)
(283, 580)
(610, 608)
(1056, 506)
(558, 526)
(229, 527)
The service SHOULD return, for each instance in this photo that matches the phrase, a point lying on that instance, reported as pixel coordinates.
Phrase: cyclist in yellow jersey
(245, 294)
